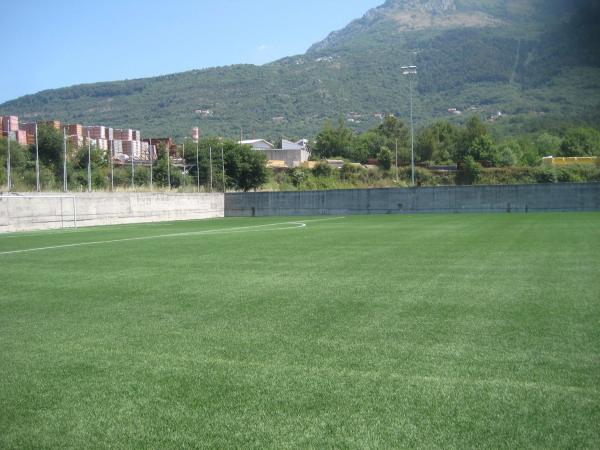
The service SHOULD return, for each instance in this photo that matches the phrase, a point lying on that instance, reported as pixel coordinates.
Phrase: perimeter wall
(21, 212)
(446, 199)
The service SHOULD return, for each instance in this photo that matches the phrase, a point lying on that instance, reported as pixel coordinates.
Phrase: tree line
(443, 142)
(472, 147)
(244, 169)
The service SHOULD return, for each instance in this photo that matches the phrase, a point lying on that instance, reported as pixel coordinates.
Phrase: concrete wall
(36, 212)
(449, 199)
(292, 158)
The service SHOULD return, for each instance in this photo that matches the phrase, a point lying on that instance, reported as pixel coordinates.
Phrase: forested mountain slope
(534, 60)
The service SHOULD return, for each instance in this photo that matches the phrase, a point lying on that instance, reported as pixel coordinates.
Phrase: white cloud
(262, 47)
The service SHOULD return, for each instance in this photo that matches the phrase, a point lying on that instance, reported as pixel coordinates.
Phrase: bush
(298, 175)
(322, 170)
(545, 175)
(353, 172)
(424, 177)
(471, 171)
(385, 158)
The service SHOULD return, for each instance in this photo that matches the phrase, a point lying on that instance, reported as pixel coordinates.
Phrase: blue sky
(51, 44)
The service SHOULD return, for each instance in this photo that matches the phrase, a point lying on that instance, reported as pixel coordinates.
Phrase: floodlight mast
(151, 153)
(410, 71)
(38, 186)
(198, 164)
(89, 166)
(65, 185)
(8, 168)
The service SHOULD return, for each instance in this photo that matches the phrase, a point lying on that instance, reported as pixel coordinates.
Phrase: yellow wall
(553, 161)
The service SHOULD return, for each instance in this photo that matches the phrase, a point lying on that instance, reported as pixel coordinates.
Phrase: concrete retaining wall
(37, 212)
(448, 199)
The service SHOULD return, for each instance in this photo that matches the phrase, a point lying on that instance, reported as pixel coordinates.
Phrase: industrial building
(291, 154)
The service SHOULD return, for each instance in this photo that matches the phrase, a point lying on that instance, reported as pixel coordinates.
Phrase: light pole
(65, 185)
(151, 153)
(169, 167)
(396, 160)
(223, 168)
(183, 156)
(112, 168)
(409, 71)
(89, 167)
(211, 167)
(8, 180)
(38, 186)
(65, 136)
(198, 164)
(37, 156)
(132, 168)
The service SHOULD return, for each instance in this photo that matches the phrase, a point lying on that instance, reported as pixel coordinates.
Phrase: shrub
(471, 171)
(385, 158)
(322, 170)
(545, 175)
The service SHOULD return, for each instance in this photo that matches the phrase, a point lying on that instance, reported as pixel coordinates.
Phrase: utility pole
(65, 183)
(411, 70)
(89, 167)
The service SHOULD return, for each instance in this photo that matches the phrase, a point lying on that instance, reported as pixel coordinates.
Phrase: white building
(258, 144)
(292, 154)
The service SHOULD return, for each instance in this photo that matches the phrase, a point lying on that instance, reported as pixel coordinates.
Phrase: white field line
(18, 234)
(324, 220)
(246, 229)
(111, 228)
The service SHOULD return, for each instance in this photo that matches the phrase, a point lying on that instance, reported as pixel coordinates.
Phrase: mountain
(534, 60)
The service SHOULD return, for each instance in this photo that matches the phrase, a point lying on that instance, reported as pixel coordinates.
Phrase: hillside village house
(291, 154)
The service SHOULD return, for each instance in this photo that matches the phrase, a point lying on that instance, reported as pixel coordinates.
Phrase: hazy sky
(50, 44)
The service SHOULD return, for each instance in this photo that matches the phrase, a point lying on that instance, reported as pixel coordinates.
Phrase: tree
(385, 158)
(334, 141)
(366, 146)
(581, 142)
(50, 143)
(547, 144)
(298, 175)
(393, 128)
(436, 142)
(99, 158)
(246, 168)
(506, 154)
(469, 142)
(483, 149)
(322, 170)
(392, 132)
(471, 171)
(163, 171)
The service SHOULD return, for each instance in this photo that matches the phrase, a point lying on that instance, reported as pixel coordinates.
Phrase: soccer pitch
(453, 331)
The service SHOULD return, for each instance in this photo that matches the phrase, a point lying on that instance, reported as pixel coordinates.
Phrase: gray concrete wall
(292, 158)
(448, 199)
(38, 212)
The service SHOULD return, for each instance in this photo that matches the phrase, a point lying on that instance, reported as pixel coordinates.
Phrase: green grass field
(453, 331)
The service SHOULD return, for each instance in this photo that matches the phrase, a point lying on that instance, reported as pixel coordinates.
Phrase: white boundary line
(244, 229)
(247, 229)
